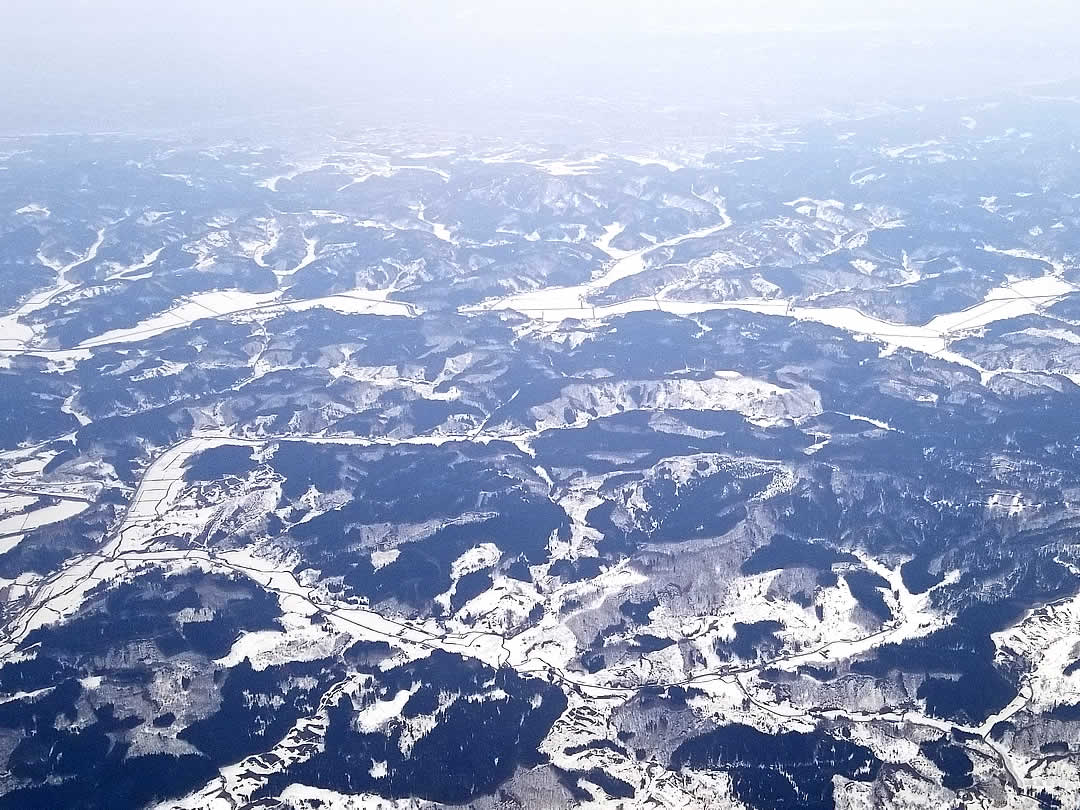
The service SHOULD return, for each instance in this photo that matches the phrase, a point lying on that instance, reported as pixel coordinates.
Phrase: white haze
(135, 64)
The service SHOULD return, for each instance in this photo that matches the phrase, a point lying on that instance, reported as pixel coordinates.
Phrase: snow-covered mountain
(378, 471)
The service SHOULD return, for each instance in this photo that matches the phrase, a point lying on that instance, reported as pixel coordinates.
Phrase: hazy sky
(113, 64)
